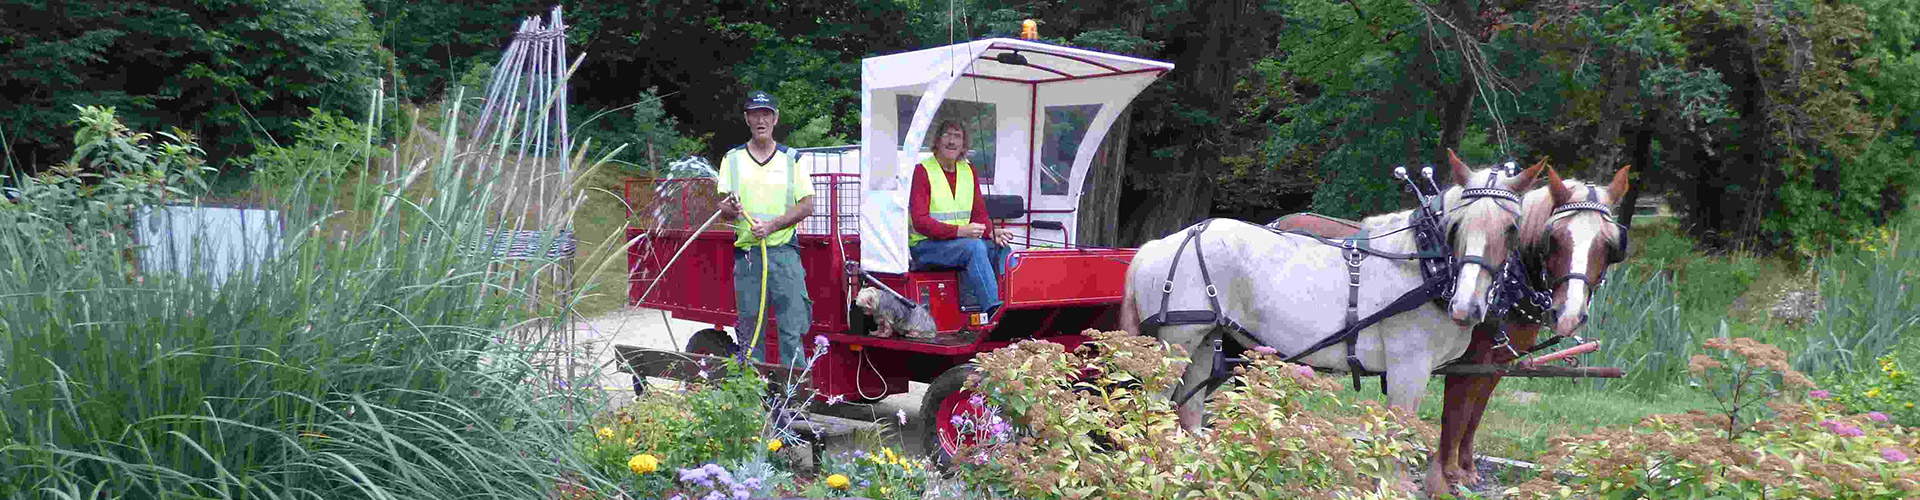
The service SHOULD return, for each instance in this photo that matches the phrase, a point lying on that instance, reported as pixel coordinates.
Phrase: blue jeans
(979, 261)
(787, 300)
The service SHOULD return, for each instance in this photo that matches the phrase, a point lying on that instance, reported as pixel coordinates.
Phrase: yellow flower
(891, 458)
(1873, 393)
(643, 463)
(606, 433)
(774, 445)
(837, 482)
(633, 442)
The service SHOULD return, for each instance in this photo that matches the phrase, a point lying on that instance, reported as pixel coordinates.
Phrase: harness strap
(1354, 256)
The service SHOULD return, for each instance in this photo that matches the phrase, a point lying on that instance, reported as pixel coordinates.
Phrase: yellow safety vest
(766, 191)
(949, 204)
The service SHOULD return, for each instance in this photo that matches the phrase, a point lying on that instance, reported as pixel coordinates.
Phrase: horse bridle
(1614, 255)
(1468, 197)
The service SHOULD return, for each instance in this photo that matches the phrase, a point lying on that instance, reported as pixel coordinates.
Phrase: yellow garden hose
(760, 317)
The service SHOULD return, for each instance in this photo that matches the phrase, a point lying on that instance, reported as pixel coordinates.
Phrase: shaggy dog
(893, 314)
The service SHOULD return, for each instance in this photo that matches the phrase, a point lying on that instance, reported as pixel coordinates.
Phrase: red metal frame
(1049, 293)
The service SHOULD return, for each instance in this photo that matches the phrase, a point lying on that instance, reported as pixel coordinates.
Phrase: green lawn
(1519, 431)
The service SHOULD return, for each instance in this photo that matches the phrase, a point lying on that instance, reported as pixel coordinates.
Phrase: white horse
(1290, 291)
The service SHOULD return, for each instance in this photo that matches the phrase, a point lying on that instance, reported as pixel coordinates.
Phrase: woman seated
(950, 227)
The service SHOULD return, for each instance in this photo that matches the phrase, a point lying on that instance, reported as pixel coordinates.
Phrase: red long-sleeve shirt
(920, 198)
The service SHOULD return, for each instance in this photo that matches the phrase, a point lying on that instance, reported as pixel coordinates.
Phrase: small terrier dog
(894, 315)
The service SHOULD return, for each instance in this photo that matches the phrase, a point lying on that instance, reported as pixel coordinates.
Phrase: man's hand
(1003, 237)
(763, 228)
(973, 231)
(730, 207)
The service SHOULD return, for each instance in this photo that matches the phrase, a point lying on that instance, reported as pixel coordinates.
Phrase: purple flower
(718, 472)
(1893, 455)
(820, 341)
(1877, 416)
(740, 492)
(1265, 349)
(1187, 476)
(714, 496)
(703, 374)
(692, 475)
(678, 497)
(977, 400)
(903, 416)
(1819, 394)
(1305, 371)
(752, 482)
(1840, 428)
(859, 453)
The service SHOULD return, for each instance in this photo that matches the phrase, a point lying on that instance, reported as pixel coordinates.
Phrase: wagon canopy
(1037, 113)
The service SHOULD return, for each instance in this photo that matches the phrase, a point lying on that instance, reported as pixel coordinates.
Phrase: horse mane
(1536, 211)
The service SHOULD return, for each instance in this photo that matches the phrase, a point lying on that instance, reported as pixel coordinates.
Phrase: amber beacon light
(1029, 30)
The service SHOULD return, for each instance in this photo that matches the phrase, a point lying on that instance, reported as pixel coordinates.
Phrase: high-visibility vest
(949, 204)
(766, 191)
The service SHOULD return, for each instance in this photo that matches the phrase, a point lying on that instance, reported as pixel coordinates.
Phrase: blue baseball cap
(757, 99)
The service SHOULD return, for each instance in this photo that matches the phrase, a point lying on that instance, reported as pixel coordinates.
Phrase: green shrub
(1091, 424)
(1758, 445)
(1890, 391)
(326, 148)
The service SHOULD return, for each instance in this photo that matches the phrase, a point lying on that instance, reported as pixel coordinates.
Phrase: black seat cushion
(1005, 206)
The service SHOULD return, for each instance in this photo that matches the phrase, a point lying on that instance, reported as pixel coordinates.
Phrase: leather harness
(1436, 258)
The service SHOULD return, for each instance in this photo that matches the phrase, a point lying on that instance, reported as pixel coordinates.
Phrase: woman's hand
(1003, 237)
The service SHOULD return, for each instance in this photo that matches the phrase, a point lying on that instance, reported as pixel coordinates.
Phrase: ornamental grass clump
(384, 361)
(1094, 423)
(1773, 436)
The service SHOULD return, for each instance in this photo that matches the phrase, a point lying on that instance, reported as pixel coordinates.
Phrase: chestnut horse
(1568, 238)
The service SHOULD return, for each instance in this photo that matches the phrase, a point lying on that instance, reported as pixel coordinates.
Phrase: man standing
(773, 192)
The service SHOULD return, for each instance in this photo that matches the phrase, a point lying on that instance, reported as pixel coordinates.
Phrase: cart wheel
(947, 397)
(711, 342)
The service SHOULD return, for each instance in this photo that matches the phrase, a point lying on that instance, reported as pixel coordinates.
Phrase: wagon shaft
(687, 366)
(1540, 372)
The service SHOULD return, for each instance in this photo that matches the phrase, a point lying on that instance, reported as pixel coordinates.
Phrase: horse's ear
(1620, 184)
(1557, 187)
(1461, 174)
(1523, 182)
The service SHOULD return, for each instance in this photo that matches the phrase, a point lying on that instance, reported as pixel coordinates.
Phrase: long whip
(676, 254)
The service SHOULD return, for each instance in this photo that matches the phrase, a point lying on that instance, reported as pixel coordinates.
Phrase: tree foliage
(1770, 123)
(231, 69)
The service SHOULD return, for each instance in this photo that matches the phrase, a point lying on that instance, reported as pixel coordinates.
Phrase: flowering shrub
(1890, 391)
(1093, 423)
(1799, 450)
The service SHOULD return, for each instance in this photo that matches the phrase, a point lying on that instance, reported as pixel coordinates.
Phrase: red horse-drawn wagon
(1038, 113)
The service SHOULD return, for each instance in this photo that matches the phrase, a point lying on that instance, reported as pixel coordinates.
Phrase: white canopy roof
(1037, 112)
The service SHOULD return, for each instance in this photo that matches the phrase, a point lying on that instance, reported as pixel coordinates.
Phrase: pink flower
(1877, 416)
(1830, 425)
(1305, 371)
(1893, 455)
(1819, 394)
(1265, 349)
